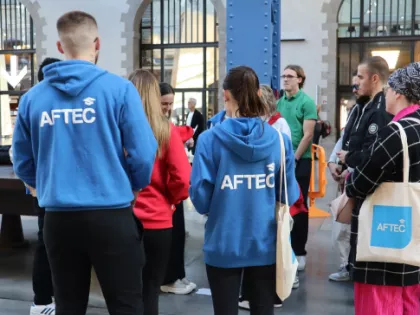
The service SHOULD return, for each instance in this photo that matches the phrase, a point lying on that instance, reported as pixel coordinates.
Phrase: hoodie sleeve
(202, 177)
(293, 190)
(138, 139)
(179, 169)
(23, 157)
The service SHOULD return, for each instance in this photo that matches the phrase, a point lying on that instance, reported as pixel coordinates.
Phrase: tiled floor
(316, 295)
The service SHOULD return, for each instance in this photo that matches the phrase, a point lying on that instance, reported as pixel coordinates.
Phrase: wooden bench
(14, 202)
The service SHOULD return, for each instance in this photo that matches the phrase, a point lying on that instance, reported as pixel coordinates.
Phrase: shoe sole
(339, 280)
(183, 292)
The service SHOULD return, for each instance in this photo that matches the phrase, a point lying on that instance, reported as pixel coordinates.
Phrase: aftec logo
(250, 181)
(71, 116)
(391, 227)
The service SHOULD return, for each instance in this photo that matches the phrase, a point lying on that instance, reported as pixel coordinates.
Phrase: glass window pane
(157, 63)
(211, 22)
(344, 64)
(349, 19)
(146, 60)
(146, 35)
(212, 104)
(212, 57)
(156, 21)
(417, 52)
(184, 67)
(397, 54)
(180, 107)
(24, 63)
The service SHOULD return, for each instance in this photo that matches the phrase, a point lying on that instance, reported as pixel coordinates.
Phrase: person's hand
(343, 176)
(335, 171)
(190, 143)
(342, 156)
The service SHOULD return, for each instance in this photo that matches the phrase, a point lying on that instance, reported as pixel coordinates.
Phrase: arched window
(17, 57)
(386, 28)
(179, 44)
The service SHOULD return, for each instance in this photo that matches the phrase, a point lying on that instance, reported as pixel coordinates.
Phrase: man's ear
(97, 44)
(60, 47)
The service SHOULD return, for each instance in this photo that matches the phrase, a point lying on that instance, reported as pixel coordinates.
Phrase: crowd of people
(108, 172)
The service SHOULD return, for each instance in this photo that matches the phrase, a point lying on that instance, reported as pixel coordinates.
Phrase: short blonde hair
(77, 31)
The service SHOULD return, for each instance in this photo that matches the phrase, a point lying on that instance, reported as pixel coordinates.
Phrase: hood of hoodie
(216, 119)
(249, 138)
(72, 76)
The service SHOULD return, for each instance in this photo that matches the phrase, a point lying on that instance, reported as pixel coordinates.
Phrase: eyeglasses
(355, 87)
(288, 77)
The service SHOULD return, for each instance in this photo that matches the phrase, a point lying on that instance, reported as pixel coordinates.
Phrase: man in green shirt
(300, 112)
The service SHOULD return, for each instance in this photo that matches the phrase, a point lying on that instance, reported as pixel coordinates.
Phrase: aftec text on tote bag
(286, 263)
(389, 220)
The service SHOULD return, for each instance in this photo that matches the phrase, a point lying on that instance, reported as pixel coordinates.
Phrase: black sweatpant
(157, 246)
(225, 286)
(110, 241)
(41, 271)
(300, 230)
(176, 266)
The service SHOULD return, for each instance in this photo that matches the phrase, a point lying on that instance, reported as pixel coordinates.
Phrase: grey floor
(316, 295)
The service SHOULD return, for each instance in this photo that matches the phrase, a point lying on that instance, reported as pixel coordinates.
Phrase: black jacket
(366, 121)
(197, 123)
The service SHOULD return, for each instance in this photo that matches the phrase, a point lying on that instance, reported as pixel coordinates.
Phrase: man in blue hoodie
(68, 145)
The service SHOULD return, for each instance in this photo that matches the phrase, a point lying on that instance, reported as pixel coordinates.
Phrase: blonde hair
(148, 88)
(268, 98)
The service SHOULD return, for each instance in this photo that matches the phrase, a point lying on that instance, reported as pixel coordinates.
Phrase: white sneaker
(43, 309)
(189, 283)
(244, 305)
(301, 262)
(178, 287)
(341, 276)
(296, 283)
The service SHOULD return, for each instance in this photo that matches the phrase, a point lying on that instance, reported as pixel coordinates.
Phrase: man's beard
(363, 99)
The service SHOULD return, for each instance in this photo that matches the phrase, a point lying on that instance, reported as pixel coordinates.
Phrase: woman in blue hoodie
(241, 156)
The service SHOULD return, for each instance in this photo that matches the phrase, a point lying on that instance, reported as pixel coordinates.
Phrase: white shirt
(189, 118)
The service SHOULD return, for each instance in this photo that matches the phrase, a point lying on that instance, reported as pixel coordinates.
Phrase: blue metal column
(253, 37)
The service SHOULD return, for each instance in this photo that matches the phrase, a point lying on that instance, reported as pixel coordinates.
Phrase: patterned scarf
(406, 81)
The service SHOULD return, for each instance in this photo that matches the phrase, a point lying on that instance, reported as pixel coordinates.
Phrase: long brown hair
(148, 88)
(243, 84)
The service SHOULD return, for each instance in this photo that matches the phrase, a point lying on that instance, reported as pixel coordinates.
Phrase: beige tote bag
(389, 220)
(286, 263)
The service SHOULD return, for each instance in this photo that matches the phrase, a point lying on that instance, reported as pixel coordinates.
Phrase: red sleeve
(179, 169)
(186, 132)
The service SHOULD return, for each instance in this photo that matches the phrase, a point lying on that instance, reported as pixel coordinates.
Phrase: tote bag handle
(283, 169)
(406, 156)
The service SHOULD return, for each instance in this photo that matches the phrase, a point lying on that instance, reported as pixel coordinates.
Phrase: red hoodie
(169, 186)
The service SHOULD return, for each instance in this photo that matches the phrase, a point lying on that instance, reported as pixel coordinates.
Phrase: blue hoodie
(240, 156)
(216, 119)
(70, 136)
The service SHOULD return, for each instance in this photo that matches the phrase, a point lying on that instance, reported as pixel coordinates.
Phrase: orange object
(315, 212)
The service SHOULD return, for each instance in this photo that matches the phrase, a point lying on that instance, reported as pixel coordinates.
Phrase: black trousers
(110, 241)
(41, 271)
(225, 285)
(300, 230)
(157, 246)
(246, 289)
(176, 266)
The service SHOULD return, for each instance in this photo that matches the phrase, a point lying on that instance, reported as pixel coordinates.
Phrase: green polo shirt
(295, 110)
